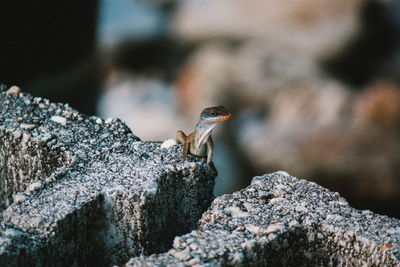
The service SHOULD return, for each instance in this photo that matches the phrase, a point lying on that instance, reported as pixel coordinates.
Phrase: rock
(14, 91)
(94, 194)
(59, 119)
(311, 26)
(345, 141)
(168, 143)
(276, 234)
(27, 126)
(90, 193)
(378, 106)
(298, 110)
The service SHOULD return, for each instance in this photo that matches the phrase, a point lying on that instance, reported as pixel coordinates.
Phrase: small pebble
(14, 91)
(168, 143)
(59, 119)
(27, 126)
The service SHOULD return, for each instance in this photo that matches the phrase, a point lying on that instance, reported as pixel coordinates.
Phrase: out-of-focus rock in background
(310, 27)
(145, 104)
(313, 86)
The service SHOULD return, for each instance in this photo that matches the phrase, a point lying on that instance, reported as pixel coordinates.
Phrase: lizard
(200, 143)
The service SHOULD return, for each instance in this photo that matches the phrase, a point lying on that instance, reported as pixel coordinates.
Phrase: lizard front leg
(210, 145)
(181, 138)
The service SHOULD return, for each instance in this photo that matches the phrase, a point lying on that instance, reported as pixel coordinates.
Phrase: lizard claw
(213, 169)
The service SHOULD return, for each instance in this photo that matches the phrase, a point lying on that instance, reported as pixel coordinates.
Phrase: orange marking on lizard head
(214, 114)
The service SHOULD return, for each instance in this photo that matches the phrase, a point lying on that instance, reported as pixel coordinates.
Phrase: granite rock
(78, 190)
(280, 220)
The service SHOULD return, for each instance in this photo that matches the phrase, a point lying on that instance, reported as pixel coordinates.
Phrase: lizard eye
(212, 113)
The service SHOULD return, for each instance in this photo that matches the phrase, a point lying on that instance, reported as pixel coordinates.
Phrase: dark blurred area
(49, 49)
(313, 85)
(366, 53)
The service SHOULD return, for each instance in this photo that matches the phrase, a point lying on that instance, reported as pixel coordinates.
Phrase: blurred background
(313, 85)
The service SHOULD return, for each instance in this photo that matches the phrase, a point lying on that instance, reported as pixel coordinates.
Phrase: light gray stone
(323, 232)
(74, 191)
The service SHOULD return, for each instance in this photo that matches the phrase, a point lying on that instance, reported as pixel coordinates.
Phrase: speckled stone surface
(280, 220)
(78, 190)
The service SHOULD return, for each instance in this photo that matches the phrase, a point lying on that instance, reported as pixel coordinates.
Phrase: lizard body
(199, 143)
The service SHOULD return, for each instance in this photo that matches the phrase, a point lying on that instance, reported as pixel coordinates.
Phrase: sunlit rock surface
(79, 190)
(280, 220)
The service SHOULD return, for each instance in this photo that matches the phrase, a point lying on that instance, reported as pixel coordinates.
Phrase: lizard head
(214, 115)
(209, 118)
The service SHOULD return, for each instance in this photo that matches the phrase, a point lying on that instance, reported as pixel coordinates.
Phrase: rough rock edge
(107, 197)
(280, 220)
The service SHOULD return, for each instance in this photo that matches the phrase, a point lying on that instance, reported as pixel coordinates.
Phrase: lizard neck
(203, 131)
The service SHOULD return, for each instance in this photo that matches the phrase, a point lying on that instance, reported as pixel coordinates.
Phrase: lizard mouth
(219, 119)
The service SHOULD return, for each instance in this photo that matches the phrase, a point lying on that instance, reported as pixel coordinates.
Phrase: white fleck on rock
(59, 119)
(152, 188)
(236, 212)
(278, 193)
(14, 90)
(46, 137)
(277, 200)
(282, 173)
(255, 230)
(334, 217)
(294, 223)
(109, 120)
(192, 165)
(320, 236)
(363, 240)
(181, 255)
(115, 145)
(17, 134)
(248, 245)
(274, 228)
(168, 143)
(25, 138)
(19, 198)
(356, 247)
(194, 261)
(99, 121)
(169, 168)
(248, 206)
(36, 222)
(300, 208)
(257, 182)
(393, 230)
(177, 242)
(328, 227)
(193, 247)
(34, 186)
(237, 258)
(366, 212)
(349, 234)
(37, 100)
(282, 187)
(27, 126)
(342, 243)
(356, 214)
